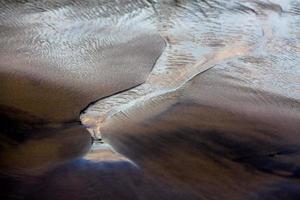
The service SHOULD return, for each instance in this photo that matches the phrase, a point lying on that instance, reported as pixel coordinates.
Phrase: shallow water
(201, 98)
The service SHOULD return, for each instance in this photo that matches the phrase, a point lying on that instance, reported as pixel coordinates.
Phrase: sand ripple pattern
(260, 38)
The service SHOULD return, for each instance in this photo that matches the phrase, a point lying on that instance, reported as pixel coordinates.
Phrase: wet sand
(65, 61)
(199, 98)
(214, 140)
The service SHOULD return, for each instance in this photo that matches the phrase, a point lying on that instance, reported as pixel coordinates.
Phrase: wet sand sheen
(164, 80)
(230, 133)
(52, 65)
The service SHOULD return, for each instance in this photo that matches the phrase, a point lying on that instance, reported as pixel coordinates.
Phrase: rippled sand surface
(196, 99)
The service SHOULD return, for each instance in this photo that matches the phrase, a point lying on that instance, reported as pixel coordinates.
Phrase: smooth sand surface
(216, 117)
(217, 137)
(54, 63)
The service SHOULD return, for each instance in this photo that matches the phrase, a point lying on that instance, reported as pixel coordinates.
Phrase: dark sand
(229, 133)
(245, 144)
(53, 64)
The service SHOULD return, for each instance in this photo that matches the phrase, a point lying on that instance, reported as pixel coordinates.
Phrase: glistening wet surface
(199, 98)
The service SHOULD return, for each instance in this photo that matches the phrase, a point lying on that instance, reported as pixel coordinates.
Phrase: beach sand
(193, 99)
